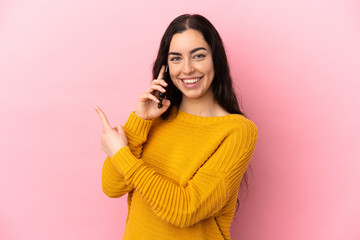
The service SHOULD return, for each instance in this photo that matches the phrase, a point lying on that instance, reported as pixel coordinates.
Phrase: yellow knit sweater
(182, 175)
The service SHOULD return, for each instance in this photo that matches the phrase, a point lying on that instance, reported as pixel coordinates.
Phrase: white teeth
(188, 81)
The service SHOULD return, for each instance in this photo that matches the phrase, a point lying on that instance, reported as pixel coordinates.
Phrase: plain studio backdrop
(295, 65)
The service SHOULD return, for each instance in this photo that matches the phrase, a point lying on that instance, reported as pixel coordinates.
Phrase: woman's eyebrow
(192, 51)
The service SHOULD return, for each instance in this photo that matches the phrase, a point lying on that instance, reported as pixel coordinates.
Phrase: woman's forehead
(187, 40)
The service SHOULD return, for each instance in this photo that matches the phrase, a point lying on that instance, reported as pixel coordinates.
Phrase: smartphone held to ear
(162, 95)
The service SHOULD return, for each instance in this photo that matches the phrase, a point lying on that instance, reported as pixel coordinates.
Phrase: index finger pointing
(161, 73)
(103, 118)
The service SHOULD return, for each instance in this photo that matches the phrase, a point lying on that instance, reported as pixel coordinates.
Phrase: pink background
(296, 65)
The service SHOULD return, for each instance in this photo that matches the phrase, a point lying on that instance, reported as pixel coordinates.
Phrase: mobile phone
(162, 95)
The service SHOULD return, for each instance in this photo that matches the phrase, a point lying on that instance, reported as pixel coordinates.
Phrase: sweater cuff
(125, 162)
(137, 126)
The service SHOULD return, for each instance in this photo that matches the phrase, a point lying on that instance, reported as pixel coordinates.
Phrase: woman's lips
(190, 85)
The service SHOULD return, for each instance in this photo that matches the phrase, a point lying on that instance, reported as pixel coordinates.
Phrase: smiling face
(191, 65)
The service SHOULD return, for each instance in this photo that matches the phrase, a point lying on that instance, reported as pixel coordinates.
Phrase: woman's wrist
(140, 116)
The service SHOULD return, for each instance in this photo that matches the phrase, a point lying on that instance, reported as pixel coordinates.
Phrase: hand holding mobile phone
(162, 95)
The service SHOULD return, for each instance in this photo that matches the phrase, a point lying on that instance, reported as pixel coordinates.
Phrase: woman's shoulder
(238, 117)
(242, 126)
(236, 120)
(239, 124)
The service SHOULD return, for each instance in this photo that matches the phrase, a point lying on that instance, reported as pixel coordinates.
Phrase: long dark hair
(222, 85)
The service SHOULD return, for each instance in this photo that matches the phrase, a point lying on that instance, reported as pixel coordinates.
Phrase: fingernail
(96, 107)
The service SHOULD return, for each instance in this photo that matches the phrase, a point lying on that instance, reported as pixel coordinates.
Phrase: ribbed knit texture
(182, 174)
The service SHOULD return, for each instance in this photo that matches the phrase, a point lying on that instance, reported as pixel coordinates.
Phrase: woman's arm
(113, 184)
(205, 194)
(136, 129)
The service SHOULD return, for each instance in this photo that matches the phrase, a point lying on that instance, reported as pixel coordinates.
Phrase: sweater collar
(187, 117)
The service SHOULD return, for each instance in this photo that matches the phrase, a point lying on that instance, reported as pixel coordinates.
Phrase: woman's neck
(200, 107)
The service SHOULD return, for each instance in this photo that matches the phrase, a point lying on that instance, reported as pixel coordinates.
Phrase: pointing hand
(112, 139)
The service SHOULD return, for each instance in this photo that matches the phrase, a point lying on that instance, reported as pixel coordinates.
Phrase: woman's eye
(174, 59)
(199, 56)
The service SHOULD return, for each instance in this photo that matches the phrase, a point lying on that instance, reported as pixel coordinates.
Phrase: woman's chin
(192, 95)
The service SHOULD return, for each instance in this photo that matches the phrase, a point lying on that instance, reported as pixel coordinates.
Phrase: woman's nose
(188, 67)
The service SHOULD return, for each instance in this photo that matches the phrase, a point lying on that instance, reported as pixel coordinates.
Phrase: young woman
(181, 162)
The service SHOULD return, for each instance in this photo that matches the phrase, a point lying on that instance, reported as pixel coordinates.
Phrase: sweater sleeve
(206, 193)
(136, 130)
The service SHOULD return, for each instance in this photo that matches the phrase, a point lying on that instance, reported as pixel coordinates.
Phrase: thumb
(118, 128)
(166, 102)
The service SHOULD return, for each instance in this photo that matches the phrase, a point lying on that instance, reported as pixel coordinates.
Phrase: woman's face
(190, 64)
